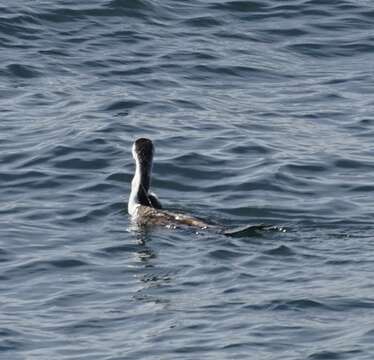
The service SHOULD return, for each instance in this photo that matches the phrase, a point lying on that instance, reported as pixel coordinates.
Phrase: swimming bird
(144, 206)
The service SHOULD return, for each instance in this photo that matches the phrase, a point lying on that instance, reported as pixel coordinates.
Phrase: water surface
(261, 112)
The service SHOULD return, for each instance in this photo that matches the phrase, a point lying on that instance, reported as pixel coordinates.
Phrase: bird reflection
(142, 238)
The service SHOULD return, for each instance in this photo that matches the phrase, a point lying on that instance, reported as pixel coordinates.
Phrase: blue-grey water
(261, 112)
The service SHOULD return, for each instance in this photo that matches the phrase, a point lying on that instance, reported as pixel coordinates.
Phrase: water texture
(261, 112)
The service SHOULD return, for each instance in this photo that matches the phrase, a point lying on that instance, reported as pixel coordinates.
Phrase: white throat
(139, 184)
(135, 185)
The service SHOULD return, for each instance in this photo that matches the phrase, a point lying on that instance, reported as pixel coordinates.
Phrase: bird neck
(140, 185)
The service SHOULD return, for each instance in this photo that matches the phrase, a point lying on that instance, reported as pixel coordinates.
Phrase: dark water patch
(124, 105)
(129, 37)
(116, 8)
(12, 158)
(312, 49)
(281, 250)
(5, 256)
(43, 214)
(259, 184)
(307, 168)
(69, 300)
(359, 47)
(327, 355)
(185, 104)
(245, 150)
(139, 70)
(298, 305)
(81, 164)
(129, 4)
(55, 52)
(316, 12)
(97, 187)
(89, 326)
(330, 49)
(239, 6)
(366, 122)
(188, 55)
(290, 32)
(36, 162)
(11, 345)
(20, 26)
(224, 254)
(332, 3)
(235, 71)
(17, 177)
(120, 249)
(367, 14)
(43, 266)
(119, 177)
(67, 263)
(8, 332)
(66, 14)
(353, 164)
(293, 184)
(23, 71)
(346, 304)
(340, 262)
(89, 216)
(203, 22)
(63, 150)
(194, 159)
(367, 188)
